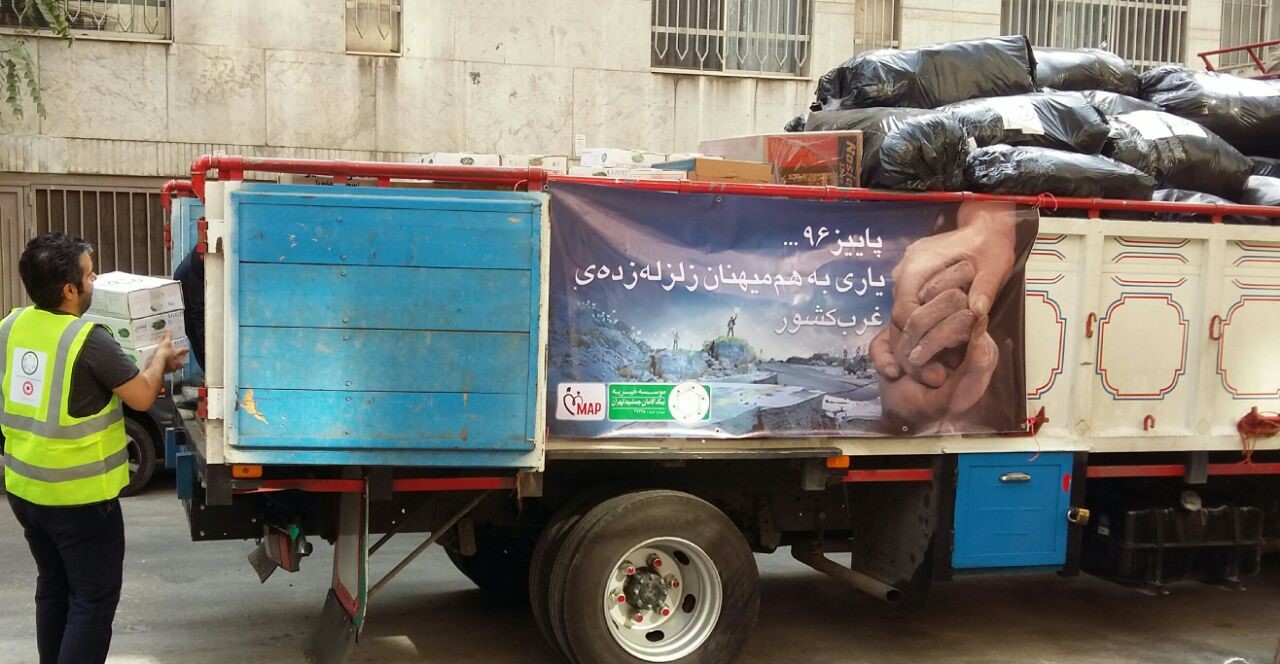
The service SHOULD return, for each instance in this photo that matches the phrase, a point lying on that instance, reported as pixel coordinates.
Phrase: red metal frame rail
(533, 179)
(233, 168)
(1253, 55)
(174, 189)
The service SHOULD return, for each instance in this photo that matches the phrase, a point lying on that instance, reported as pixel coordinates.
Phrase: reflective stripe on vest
(47, 462)
(71, 474)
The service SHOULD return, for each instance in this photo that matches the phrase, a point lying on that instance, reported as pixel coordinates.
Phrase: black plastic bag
(1111, 104)
(1201, 198)
(1268, 167)
(1179, 153)
(902, 148)
(1244, 112)
(1063, 120)
(1262, 190)
(1084, 69)
(1006, 169)
(930, 76)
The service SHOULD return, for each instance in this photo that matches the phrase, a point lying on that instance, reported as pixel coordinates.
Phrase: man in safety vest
(65, 458)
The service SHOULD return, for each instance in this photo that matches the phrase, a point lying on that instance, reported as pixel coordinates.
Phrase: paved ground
(201, 604)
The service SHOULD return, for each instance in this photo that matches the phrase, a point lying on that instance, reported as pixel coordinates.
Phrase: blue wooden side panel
(393, 327)
(385, 297)
(385, 420)
(396, 231)
(182, 232)
(1001, 522)
(182, 227)
(302, 358)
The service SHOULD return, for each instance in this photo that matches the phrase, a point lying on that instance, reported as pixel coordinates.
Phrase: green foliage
(16, 66)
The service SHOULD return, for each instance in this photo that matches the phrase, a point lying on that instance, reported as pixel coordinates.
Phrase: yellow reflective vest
(52, 458)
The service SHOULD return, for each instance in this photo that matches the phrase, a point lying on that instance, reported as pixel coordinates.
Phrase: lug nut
(630, 571)
(627, 568)
(639, 617)
(655, 562)
(675, 583)
(622, 599)
(665, 612)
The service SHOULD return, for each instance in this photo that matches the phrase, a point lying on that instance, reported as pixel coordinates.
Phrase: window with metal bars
(125, 226)
(877, 24)
(1249, 22)
(1147, 33)
(760, 37)
(374, 27)
(145, 20)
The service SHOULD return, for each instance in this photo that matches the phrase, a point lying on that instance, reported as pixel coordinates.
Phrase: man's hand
(141, 391)
(984, 240)
(943, 292)
(172, 359)
(937, 393)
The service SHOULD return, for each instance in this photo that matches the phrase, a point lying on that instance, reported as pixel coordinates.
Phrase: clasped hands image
(936, 359)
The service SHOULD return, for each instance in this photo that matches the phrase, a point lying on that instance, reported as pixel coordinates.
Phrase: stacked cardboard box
(138, 311)
(619, 158)
(460, 159)
(620, 173)
(553, 163)
(714, 169)
(821, 158)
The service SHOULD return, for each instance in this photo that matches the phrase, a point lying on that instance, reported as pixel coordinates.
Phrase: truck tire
(142, 456)
(654, 576)
(500, 565)
(547, 550)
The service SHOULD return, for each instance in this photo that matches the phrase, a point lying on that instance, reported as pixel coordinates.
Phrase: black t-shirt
(101, 367)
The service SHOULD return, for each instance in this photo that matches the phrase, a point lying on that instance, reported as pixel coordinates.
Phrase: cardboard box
(142, 356)
(820, 158)
(555, 163)
(460, 159)
(141, 332)
(617, 157)
(626, 173)
(707, 169)
(131, 296)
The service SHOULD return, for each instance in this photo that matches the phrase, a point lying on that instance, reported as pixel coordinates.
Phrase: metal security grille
(14, 234)
(374, 27)
(739, 36)
(1248, 22)
(121, 19)
(877, 25)
(1147, 33)
(125, 226)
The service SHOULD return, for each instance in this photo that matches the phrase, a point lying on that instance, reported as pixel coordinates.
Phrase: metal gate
(125, 225)
(14, 234)
(1248, 22)
(1146, 33)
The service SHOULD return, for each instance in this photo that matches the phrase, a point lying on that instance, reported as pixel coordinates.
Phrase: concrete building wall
(508, 76)
(274, 78)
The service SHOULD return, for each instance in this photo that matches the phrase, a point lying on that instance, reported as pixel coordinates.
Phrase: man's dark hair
(50, 262)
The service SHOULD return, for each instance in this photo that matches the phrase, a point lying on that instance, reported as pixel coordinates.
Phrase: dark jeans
(79, 554)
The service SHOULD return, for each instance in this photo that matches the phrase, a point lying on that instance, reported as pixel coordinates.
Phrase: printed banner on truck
(718, 316)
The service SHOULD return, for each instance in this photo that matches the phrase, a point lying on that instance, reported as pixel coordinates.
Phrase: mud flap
(344, 609)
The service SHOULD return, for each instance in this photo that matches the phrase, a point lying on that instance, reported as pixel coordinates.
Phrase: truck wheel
(654, 576)
(500, 565)
(142, 456)
(547, 551)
